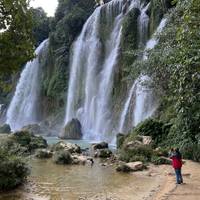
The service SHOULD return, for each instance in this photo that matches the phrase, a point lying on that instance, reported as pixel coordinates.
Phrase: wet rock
(5, 128)
(79, 159)
(62, 157)
(43, 153)
(72, 148)
(72, 130)
(101, 145)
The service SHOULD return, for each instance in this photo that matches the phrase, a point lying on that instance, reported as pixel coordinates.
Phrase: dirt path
(190, 190)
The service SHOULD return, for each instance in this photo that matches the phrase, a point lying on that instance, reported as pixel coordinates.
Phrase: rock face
(72, 130)
(131, 167)
(5, 129)
(72, 148)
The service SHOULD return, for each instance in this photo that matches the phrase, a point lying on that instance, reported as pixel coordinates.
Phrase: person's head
(172, 149)
(177, 150)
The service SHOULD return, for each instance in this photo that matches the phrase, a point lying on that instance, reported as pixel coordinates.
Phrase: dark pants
(179, 178)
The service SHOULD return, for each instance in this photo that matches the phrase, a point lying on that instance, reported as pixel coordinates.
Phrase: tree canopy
(16, 41)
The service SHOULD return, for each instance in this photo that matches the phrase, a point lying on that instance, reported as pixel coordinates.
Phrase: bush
(13, 170)
(191, 151)
(154, 128)
(30, 141)
(160, 161)
(142, 153)
(62, 157)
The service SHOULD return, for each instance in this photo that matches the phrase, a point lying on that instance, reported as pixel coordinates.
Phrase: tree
(16, 41)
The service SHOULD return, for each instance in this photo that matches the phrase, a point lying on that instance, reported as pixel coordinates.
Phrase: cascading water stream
(145, 104)
(92, 70)
(23, 108)
(143, 22)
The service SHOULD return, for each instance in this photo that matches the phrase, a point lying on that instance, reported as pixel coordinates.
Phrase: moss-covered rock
(43, 153)
(120, 140)
(62, 157)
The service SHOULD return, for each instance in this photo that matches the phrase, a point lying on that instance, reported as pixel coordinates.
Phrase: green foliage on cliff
(41, 25)
(65, 28)
(174, 67)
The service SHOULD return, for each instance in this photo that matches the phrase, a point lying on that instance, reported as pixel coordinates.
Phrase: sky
(49, 6)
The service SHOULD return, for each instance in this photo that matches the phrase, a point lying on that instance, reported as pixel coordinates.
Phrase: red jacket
(176, 162)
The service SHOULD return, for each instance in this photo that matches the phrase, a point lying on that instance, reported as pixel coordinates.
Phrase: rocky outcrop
(72, 148)
(72, 130)
(5, 128)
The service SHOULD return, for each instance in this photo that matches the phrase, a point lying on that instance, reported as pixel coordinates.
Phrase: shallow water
(49, 181)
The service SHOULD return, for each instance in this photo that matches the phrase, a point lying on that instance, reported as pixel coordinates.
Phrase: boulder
(131, 167)
(72, 148)
(101, 145)
(43, 153)
(62, 157)
(72, 130)
(104, 153)
(5, 128)
(79, 159)
(136, 166)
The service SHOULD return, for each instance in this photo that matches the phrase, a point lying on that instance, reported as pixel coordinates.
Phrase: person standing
(176, 157)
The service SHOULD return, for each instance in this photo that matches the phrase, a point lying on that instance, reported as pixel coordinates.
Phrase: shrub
(160, 160)
(142, 153)
(154, 128)
(13, 170)
(191, 151)
(62, 157)
(30, 141)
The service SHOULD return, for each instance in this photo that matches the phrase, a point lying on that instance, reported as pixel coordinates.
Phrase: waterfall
(23, 108)
(145, 104)
(143, 23)
(92, 69)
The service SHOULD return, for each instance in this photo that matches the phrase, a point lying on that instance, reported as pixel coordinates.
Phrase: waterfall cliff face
(23, 109)
(92, 69)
